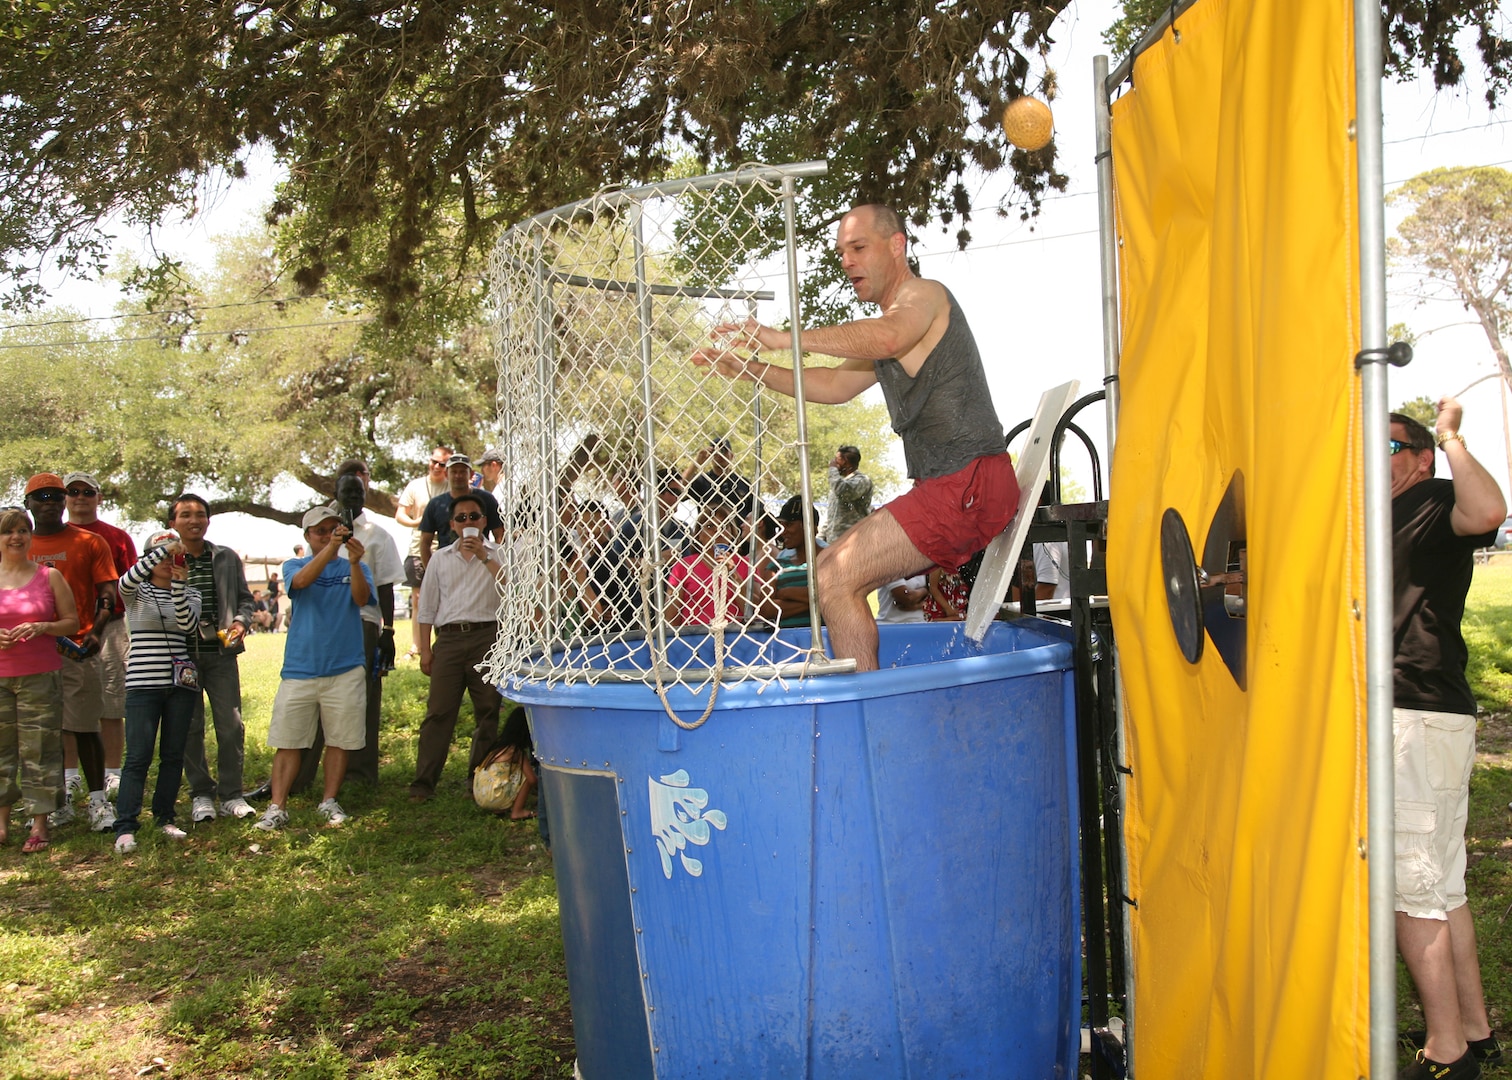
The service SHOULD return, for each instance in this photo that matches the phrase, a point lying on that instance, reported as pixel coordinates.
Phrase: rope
(721, 584)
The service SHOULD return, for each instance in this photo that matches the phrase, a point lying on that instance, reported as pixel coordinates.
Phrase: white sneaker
(273, 819)
(112, 784)
(74, 787)
(202, 808)
(101, 817)
(333, 813)
(237, 808)
(125, 843)
(63, 815)
(173, 832)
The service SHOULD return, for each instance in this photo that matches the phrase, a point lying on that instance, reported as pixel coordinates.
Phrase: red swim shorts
(951, 518)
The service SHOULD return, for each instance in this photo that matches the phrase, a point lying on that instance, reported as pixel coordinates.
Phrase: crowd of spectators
(122, 658)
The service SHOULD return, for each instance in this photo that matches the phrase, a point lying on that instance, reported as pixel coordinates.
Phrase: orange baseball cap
(44, 480)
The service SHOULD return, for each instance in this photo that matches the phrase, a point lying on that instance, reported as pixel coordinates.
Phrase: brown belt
(467, 627)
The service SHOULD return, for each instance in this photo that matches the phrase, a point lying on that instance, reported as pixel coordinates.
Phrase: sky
(1032, 290)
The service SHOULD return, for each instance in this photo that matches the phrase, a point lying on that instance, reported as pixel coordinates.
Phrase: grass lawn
(414, 941)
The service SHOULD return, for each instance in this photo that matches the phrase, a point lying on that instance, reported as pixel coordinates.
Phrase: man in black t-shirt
(1436, 527)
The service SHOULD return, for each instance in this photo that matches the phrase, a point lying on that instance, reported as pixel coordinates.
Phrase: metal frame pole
(1381, 783)
(800, 411)
(1112, 355)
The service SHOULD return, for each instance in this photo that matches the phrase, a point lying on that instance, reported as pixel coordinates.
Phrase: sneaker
(1466, 1068)
(274, 818)
(63, 815)
(173, 832)
(112, 785)
(333, 813)
(102, 816)
(74, 787)
(202, 808)
(1487, 1051)
(125, 843)
(237, 808)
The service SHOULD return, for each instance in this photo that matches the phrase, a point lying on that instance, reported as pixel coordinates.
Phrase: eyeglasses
(82, 493)
(46, 496)
(1397, 446)
(467, 517)
(437, 461)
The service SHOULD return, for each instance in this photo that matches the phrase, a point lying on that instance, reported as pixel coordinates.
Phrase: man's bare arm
(1478, 503)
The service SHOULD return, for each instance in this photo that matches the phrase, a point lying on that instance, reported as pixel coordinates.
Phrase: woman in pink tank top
(36, 606)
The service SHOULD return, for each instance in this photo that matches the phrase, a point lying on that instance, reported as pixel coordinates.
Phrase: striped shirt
(160, 621)
(202, 579)
(458, 589)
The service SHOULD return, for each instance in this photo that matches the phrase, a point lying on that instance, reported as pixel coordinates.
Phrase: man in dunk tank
(922, 352)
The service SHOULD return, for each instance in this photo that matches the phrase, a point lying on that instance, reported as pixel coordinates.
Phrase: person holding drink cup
(460, 601)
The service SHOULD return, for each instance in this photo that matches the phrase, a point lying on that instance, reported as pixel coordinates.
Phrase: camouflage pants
(31, 743)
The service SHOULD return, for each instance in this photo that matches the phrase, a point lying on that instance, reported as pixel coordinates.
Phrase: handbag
(497, 781)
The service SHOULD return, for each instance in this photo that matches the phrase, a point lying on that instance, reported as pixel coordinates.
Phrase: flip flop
(34, 844)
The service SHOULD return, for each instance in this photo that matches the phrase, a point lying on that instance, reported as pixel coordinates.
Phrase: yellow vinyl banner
(1235, 186)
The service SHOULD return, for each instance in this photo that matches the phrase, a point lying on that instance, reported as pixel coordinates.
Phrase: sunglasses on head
(82, 493)
(46, 496)
(1397, 446)
(467, 517)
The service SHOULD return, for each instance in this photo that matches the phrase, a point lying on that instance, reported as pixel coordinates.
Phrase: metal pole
(800, 412)
(1112, 353)
(651, 519)
(1103, 121)
(1381, 783)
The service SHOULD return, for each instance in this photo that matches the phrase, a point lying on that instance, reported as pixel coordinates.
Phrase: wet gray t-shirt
(944, 414)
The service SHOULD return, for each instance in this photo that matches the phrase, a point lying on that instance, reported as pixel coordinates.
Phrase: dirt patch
(1493, 740)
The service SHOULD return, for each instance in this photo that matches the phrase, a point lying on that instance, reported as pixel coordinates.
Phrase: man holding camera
(381, 556)
(225, 614)
(324, 676)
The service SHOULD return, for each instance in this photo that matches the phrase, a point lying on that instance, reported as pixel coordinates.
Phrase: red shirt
(85, 563)
(122, 548)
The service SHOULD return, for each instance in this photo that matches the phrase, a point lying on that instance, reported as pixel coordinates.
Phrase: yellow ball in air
(1027, 123)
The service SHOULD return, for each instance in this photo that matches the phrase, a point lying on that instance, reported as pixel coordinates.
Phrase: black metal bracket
(1397, 354)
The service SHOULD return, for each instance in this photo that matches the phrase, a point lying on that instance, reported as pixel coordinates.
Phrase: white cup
(469, 532)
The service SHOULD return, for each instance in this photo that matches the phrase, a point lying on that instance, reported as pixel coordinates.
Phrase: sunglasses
(82, 493)
(467, 517)
(46, 496)
(1397, 446)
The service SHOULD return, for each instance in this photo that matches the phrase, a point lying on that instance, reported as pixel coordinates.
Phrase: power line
(248, 330)
(152, 314)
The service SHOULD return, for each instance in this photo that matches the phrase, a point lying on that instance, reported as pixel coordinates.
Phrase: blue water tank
(849, 876)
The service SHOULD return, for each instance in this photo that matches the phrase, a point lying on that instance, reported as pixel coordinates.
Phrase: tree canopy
(1459, 235)
(412, 131)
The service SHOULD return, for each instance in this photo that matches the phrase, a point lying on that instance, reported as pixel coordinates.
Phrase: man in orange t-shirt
(86, 564)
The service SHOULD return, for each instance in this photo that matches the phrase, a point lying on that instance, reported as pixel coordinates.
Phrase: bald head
(878, 218)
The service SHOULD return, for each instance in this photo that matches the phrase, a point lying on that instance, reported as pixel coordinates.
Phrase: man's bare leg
(1467, 976)
(1427, 949)
(113, 738)
(335, 770)
(873, 552)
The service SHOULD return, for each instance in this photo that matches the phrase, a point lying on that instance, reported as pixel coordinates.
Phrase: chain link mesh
(637, 485)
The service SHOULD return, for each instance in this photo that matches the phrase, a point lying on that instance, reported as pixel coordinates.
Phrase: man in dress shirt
(460, 600)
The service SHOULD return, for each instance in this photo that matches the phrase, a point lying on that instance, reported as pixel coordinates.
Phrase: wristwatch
(1449, 436)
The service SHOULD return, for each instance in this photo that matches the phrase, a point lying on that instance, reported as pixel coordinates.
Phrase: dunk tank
(768, 864)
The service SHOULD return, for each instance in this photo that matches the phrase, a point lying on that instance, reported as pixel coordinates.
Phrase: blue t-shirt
(325, 628)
